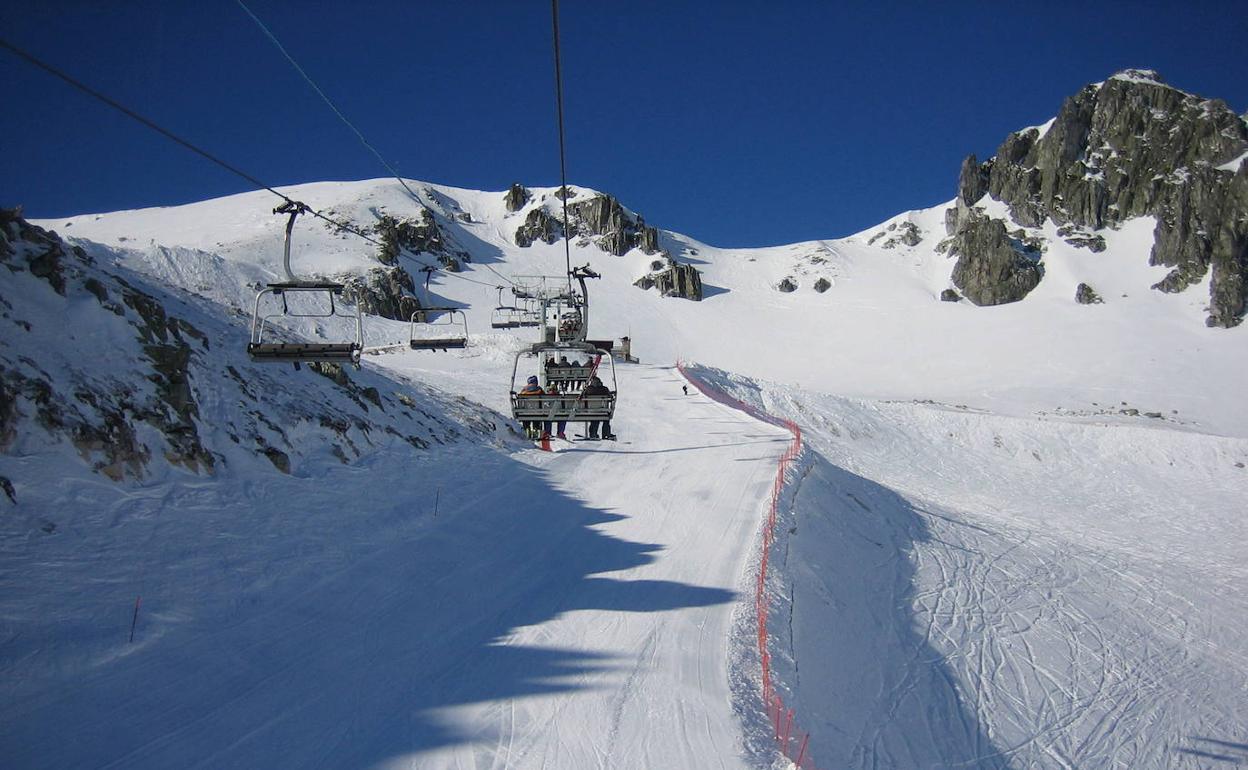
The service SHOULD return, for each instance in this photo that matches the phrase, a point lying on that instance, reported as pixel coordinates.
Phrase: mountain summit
(1131, 146)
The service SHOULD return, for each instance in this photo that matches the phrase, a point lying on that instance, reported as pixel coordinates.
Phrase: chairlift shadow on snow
(1229, 752)
(354, 661)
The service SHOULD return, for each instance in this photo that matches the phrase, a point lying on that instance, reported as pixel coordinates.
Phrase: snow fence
(793, 742)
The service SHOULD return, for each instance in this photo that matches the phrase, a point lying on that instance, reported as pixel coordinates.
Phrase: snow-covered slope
(1015, 545)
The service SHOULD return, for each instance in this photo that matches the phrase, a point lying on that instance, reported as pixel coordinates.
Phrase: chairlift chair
(261, 347)
(447, 332)
(563, 407)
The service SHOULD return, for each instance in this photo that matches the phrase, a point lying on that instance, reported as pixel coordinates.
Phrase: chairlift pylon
(265, 350)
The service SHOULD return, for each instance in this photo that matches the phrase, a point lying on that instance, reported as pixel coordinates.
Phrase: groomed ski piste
(987, 554)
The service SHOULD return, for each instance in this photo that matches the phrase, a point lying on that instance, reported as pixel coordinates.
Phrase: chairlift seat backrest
(566, 408)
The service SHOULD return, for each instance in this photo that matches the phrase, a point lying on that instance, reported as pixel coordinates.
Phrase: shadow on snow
(362, 664)
(873, 692)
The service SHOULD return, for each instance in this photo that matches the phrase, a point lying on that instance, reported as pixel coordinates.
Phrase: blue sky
(742, 124)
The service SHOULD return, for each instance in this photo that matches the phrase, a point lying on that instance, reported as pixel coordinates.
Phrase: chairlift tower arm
(294, 209)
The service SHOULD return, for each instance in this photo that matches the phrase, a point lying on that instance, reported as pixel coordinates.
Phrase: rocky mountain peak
(1136, 75)
(1131, 146)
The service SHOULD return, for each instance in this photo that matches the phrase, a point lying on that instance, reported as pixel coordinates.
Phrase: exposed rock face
(673, 280)
(600, 218)
(418, 237)
(1086, 295)
(171, 385)
(384, 292)
(949, 295)
(97, 414)
(516, 197)
(822, 285)
(602, 215)
(787, 285)
(905, 233)
(539, 225)
(1081, 239)
(1131, 147)
(682, 281)
(992, 267)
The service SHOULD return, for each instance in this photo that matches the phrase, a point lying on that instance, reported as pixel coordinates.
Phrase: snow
(990, 555)
(1234, 165)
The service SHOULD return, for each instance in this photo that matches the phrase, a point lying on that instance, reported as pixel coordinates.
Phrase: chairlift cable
(324, 97)
(69, 79)
(269, 34)
(563, 168)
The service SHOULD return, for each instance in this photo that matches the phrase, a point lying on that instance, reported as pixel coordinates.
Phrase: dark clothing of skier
(596, 388)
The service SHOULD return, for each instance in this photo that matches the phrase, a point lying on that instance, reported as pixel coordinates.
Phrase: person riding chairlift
(596, 388)
(532, 388)
(552, 389)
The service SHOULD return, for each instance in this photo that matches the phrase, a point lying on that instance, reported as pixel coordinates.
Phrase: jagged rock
(384, 292)
(8, 413)
(905, 233)
(539, 225)
(280, 459)
(331, 371)
(992, 267)
(1081, 239)
(949, 295)
(602, 215)
(973, 180)
(1129, 147)
(516, 197)
(1086, 295)
(787, 285)
(822, 285)
(423, 237)
(679, 280)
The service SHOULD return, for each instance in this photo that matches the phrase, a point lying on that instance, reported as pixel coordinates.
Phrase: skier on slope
(596, 388)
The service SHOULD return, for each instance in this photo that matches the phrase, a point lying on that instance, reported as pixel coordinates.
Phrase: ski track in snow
(967, 634)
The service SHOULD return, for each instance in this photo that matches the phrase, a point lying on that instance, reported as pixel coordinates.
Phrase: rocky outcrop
(676, 280)
(599, 218)
(683, 281)
(1129, 147)
(539, 225)
(516, 197)
(1086, 295)
(787, 285)
(381, 291)
(98, 414)
(822, 285)
(949, 295)
(423, 236)
(993, 268)
(617, 231)
(105, 371)
(903, 234)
